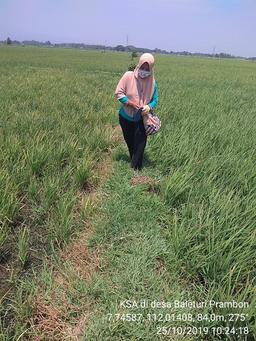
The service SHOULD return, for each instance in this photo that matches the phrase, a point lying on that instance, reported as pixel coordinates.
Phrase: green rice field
(174, 260)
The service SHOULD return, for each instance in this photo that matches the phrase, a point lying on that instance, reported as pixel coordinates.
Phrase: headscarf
(137, 89)
(146, 84)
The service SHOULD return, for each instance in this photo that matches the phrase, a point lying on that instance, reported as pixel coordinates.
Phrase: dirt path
(78, 262)
(121, 254)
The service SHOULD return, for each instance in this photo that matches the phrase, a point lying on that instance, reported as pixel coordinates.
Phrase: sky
(206, 26)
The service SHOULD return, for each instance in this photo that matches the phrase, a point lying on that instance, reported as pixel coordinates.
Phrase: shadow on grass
(147, 162)
(122, 156)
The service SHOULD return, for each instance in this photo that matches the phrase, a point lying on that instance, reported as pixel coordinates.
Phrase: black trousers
(135, 138)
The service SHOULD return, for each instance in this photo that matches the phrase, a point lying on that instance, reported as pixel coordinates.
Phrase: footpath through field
(113, 283)
(134, 280)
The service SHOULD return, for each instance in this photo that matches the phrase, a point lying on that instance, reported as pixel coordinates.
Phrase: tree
(120, 48)
(134, 54)
(131, 67)
(8, 41)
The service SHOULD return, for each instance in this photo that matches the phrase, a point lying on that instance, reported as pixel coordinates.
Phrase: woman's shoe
(138, 169)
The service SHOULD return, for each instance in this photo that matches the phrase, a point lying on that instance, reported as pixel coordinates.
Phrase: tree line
(120, 48)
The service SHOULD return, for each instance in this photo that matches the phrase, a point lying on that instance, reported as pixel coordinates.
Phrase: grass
(190, 238)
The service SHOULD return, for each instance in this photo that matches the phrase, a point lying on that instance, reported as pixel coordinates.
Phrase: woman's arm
(124, 99)
(154, 99)
(120, 92)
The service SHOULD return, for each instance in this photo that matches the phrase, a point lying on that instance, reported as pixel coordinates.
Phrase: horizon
(138, 47)
(196, 26)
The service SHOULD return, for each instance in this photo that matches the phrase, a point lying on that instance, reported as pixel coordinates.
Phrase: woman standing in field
(137, 91)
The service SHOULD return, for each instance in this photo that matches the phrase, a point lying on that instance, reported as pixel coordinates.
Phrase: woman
(137, 91)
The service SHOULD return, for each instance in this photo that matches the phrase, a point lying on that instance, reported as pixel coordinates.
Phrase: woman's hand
(145, 110)
(132, 104)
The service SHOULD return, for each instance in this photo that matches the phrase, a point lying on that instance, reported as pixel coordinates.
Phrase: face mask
(143, 73)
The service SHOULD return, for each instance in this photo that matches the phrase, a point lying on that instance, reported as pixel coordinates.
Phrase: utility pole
(213, 51)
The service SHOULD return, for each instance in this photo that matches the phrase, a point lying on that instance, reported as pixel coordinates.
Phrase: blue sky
(192, 25)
